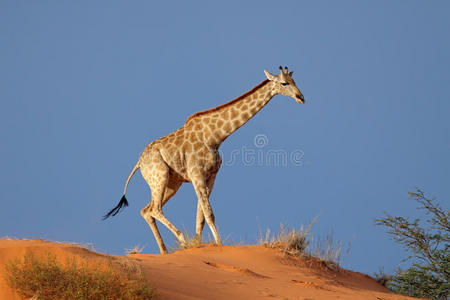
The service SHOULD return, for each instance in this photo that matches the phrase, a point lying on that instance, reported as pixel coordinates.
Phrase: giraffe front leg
(200, 220)
(202, 194)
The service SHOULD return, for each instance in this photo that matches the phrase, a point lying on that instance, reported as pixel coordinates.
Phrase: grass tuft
(382, 278)
(192, 241)
(292, 241)
(135, 250)
(300, 242)
(45, 278)
(329, 252)
(10, 238)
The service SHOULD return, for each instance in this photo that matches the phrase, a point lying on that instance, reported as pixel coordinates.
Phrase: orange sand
(227, 272)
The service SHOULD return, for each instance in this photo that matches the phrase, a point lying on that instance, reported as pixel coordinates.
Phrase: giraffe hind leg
(152, 222)
(162, 189)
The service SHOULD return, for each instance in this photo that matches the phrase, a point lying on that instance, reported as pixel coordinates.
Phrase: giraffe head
(285, 85)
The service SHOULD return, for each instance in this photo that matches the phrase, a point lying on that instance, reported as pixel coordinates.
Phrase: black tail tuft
(115, 210)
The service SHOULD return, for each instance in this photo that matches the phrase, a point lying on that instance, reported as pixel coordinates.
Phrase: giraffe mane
(204, 112)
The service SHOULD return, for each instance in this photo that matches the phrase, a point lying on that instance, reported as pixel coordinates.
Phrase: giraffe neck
(218, 123)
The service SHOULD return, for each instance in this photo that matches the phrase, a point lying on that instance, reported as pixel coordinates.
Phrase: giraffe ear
(290, 73)
(270, 76)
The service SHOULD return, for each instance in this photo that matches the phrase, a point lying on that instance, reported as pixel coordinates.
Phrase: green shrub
(428, 244)
(47, 279)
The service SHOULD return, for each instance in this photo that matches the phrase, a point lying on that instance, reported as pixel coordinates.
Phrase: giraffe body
(190, 154)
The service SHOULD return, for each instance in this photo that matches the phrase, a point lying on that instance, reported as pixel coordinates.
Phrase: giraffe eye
(284, 83)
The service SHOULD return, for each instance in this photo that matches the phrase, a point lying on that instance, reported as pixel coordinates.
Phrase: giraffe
(190, 154)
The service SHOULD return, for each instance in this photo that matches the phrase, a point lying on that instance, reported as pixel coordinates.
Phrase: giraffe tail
(123, 201)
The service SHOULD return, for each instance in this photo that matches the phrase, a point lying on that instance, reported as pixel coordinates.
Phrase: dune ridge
(225, 272)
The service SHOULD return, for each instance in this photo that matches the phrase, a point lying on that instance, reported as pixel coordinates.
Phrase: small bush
(47, 279)
(428, 243)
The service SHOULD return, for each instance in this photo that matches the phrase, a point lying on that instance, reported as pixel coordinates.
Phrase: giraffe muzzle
(300, 98)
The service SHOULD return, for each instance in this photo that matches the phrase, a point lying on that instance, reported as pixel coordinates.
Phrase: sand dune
(227, 272)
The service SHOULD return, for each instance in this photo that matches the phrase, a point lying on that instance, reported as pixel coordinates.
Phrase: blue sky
(85, 85)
